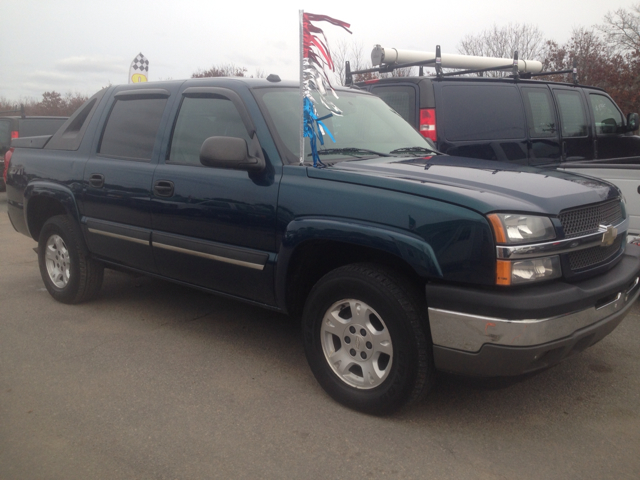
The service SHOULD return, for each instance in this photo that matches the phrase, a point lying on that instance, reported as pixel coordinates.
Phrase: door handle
(96, 180)
(163, 188)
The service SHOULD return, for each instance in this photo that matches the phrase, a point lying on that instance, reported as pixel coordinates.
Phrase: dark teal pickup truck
(398, 260)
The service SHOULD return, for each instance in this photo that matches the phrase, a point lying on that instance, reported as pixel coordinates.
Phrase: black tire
(67, 270)
(388, 360)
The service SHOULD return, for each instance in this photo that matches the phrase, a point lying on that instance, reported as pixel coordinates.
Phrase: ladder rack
(436, 62)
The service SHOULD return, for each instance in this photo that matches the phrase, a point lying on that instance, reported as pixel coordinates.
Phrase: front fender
(411, 249)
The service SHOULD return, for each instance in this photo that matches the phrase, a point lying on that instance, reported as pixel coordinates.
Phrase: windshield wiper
(351, 151)
(416, 150)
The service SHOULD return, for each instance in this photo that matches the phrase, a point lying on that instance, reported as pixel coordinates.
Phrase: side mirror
(229, 152)
(633, 121)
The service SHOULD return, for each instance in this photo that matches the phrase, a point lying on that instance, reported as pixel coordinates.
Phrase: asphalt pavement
(156, 381)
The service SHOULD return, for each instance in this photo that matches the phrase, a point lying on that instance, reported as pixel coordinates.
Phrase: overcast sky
(82, 46)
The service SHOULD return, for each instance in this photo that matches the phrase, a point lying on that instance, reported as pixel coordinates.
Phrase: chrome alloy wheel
(57, 261)
(356, 344)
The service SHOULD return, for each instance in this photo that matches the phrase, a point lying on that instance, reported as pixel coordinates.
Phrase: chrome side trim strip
(467, 332)
(558, 247)
(120, 237)
(255, 266)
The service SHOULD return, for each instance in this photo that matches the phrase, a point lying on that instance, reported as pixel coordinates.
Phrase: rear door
(542, 125)
(117, 178)
(33, 127)
(575, 131)
(481, 120)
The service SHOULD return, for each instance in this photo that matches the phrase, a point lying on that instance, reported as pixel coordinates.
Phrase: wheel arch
(43, 200)
(312, 247)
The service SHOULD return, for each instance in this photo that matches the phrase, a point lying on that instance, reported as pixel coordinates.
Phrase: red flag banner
(316, 60)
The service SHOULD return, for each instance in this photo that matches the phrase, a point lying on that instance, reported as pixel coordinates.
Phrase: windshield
(367, 128)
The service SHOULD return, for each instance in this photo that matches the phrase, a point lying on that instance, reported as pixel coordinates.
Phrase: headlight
(518, 229)
(528, 271)
(515, 229)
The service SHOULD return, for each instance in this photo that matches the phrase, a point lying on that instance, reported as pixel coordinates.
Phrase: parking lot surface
(154, 380)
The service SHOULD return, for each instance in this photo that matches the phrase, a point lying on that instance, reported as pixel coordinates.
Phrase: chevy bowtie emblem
(609, 236)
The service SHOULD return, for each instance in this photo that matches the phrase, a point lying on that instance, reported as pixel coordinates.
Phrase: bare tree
(622, 29)
(353, 52)
(502, 42)
(400, 72)
(259, 74)
(222, 70)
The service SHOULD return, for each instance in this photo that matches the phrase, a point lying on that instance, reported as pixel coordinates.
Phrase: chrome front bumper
(494, 332)
(469, 333)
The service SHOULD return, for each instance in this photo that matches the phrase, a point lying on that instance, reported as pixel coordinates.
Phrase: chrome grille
(586, 220)
(594, 255)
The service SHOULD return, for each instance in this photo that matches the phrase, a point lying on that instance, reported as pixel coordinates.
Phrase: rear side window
(199, 119)
(572, 114)
(132, 128)
(401, 98)
(540, 112)
(481, 112)
(606, 115)
(70, 135)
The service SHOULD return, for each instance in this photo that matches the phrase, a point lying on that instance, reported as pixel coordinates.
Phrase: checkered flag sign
(139, 70)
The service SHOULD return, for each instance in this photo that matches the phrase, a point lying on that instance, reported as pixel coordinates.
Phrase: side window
(572, 114)
(32, 127)
(481, 112)
(199, 119)
(401, 98)
(606, 115)
(70, 135)
(540, 115)
(132, 128)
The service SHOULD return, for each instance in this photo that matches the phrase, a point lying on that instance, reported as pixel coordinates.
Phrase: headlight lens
(515, 229)
(535, 269)
(528, 271)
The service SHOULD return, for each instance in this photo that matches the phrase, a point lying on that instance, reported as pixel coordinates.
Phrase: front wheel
(67, 270)
(365, 338)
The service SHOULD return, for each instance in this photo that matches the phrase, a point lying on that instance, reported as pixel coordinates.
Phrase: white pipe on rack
(391, 56)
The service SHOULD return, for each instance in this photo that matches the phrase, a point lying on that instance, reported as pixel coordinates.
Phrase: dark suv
(15, 127)
(511, 119)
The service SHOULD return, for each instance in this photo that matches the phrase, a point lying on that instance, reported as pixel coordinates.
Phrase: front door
(214, 227)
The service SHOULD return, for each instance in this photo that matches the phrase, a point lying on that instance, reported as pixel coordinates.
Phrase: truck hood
(482, 185)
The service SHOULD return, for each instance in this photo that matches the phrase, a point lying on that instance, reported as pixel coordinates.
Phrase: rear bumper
(531, 328)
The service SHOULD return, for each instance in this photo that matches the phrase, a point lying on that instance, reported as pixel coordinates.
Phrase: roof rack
(393, 59)
(21, 111)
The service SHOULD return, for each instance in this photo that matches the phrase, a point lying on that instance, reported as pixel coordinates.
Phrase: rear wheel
(365, 338)
(67, 270)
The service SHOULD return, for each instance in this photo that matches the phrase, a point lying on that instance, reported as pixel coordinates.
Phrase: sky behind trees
(81, 46)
